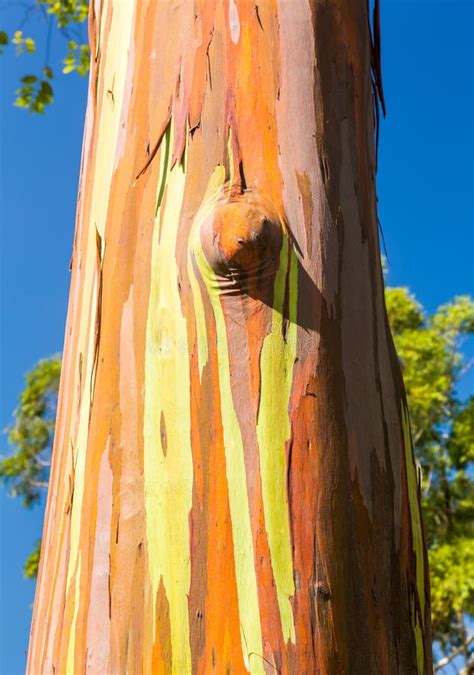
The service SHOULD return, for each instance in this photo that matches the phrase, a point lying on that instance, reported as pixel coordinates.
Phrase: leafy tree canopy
(430, 352)
(26, 471)
(35, 91)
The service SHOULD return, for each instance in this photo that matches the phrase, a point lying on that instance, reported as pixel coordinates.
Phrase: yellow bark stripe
(168, 470)
(251, 632)
(213, 192)
(111, 89)
(70, 670)
(273, 431)
(417, 538)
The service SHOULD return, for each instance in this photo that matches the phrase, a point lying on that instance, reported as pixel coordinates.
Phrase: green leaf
(46, 89)
(30, 45)
(77, 59)
(31, 564)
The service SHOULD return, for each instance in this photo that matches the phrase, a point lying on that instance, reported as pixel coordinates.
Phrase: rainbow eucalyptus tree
(233, 486)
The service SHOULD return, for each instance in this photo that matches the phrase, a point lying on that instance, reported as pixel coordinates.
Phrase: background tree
(26, 470)
(430, 352)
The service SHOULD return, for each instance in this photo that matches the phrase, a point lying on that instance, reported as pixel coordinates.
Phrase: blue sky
(425, 186)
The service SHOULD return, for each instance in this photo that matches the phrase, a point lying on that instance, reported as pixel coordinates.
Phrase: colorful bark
(233, 486)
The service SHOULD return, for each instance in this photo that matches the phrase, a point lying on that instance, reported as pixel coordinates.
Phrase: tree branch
(43, 485)
(456, 652)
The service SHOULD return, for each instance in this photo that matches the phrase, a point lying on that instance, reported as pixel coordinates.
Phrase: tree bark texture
(233, 486)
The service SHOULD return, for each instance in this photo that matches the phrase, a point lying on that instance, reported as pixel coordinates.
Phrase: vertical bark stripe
(168, 471)
(80, 457)
(418, 596)
(251, 633)
(212, 194)
(112, 86)
(273, 430)
(98, 624)
(72, 639)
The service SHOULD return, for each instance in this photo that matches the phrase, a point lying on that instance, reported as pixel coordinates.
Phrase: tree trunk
(233, 486)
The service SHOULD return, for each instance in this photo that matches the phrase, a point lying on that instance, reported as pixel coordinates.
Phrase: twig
(456, 652)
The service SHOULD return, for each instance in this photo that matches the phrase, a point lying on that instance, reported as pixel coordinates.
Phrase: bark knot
(322, 591)
(242, 240)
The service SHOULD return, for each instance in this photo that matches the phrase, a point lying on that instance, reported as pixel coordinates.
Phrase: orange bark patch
(162, 653)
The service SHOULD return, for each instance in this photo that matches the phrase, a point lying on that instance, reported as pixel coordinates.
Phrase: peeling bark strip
(232, 422)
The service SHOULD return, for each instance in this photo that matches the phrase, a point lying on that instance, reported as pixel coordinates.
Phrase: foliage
(35, 91)
(3, 40)
(66, 11)
(77, 58)
(30, 567)
(34, 94)
(430, 352)
(26, 471)
(452, 596)
(23, 44)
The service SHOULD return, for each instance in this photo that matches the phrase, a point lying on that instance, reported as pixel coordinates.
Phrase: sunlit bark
(233, 486)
